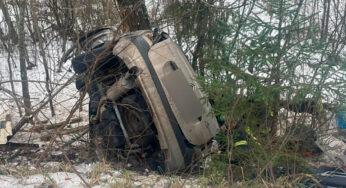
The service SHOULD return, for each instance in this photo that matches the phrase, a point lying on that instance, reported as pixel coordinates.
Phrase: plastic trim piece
(143, 48)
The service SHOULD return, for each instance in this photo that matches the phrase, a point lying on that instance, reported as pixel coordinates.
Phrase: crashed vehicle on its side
(144, 98)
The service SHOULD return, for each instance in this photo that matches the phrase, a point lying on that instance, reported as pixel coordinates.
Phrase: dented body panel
(181, 114)
(186, 116)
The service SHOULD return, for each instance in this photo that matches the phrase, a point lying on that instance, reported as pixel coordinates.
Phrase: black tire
(137, 120)
(82, 62)
(110, 130)
(107, 129)
(94, 99)
(80, 81)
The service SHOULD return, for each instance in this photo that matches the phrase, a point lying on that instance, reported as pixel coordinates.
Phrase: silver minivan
(144, 97)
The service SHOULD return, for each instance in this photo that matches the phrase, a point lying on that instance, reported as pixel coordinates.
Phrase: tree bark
(11, 81)
(135, 14)
(21, 49)
(12, 32)
(201, 31)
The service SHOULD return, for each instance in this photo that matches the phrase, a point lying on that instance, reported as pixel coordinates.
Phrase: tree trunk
(21, 49)
(201, 31)
(9, 51)
(11, 30)
(135, 14)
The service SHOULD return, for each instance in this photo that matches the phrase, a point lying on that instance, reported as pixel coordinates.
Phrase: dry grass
(99, 169)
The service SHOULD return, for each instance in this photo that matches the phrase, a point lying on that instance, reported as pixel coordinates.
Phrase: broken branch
(55, 125)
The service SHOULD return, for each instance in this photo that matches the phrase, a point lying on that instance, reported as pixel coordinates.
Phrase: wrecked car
(144, 98)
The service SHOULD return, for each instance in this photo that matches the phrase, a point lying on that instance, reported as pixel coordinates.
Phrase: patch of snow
(84, 168)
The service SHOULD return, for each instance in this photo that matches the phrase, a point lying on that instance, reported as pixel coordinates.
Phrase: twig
(76, 138)
(44, 154)
(228, 7)
(27, 117)
(37, 81)
(91, 71)
(8, 91)
(82, 129)
(69, 162)
(55, 125)
(75, 130)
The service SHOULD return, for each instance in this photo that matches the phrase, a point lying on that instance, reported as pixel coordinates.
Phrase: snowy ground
(17, 166)
(63, 102)
(20, 171)
(95, 174)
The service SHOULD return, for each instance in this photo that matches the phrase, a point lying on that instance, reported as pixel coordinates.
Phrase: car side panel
(168, 142)
(186, 98)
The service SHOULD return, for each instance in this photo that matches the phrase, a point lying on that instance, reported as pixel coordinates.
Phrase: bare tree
(43, 54)
(12, 32)
(21, 49)
(7, 43)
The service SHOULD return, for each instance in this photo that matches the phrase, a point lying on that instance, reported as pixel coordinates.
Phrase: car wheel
(137, 120)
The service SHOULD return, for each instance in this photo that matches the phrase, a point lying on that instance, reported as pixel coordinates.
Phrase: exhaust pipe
(122, 86)
(119, 88)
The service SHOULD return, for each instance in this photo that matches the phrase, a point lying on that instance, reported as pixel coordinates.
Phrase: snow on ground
(95, 174)
(334, 149)
(36, 77)
(20, 171)
(63, 102)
